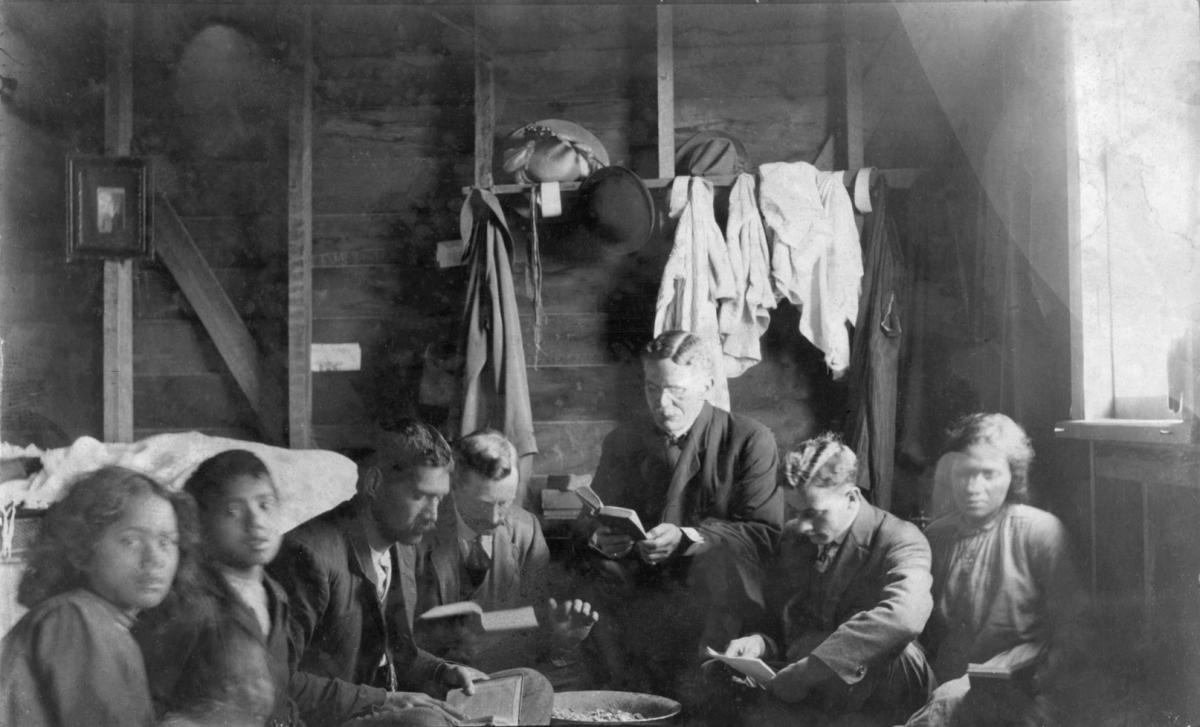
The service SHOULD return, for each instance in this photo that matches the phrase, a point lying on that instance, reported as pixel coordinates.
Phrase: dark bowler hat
(553, 150)
(617, 208)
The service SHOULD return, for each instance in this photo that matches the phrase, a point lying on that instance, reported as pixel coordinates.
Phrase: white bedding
(310, 481)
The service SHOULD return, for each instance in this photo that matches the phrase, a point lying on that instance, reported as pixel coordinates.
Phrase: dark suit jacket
(340, 628)
(728, 462)
(517, 577)
(519, 562)
(872, 600)
(188, 657)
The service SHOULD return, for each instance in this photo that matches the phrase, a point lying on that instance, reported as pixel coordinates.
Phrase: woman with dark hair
(1005, 587)
(117, 544)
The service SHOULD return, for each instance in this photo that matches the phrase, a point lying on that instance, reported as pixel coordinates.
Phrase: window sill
(1130, 431)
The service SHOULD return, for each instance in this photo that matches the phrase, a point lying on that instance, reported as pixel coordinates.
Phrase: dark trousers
(887, 695)
(656, 620)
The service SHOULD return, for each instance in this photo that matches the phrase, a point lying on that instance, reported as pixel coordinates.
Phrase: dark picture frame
(108, 211)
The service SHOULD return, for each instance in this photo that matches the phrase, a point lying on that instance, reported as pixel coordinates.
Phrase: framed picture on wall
(108, 210)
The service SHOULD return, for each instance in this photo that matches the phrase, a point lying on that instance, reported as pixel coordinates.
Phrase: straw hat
(553, 150)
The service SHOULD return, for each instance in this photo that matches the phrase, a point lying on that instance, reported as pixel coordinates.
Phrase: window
(1135, 254)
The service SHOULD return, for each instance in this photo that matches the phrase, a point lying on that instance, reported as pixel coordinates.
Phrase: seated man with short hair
(489, 550)
(850, 596)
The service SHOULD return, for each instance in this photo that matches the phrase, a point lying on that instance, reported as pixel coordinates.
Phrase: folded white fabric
(744, 319)
(816, 258)
(697, 279)
(310, 481)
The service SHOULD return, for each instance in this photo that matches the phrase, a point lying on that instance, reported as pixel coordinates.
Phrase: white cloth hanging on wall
(697, 279)
(816, 258)
(746, 317)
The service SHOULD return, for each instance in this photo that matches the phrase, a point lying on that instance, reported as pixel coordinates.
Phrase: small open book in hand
(495, 702)
(508, 619)
(621, 519)
(753, 667)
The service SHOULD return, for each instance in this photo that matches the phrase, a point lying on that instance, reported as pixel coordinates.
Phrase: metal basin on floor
(609, 707)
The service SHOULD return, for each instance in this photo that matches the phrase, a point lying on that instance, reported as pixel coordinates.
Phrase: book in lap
(495, 702)
(1014, 665)
(621, 519)
(508, 619)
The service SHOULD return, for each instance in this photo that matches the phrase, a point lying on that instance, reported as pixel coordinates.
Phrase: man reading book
(350, 577)
(489, 550)
(850, 593)
(702, 482)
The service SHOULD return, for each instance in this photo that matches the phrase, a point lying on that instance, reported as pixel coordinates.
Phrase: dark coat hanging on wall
(495, 387)
(875, 352)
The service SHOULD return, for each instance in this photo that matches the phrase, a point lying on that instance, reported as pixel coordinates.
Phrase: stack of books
(560, 503)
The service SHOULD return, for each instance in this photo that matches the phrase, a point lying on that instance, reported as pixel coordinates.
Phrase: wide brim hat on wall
(553, 150)
(618, 208)
(711, 154)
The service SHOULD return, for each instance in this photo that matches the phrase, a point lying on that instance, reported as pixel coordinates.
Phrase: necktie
(824, 557)
(673, 504)
(478, 562)
(673, 447)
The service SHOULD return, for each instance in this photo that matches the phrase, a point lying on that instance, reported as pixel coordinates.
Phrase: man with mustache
(702, 480)
(349, 574)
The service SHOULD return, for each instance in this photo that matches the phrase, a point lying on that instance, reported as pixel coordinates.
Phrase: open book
(495, 702)
(1015, 664)
(509, 619)
(621, 519)
(755, 668)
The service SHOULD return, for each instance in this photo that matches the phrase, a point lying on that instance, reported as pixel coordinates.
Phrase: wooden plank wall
(760, 76)
(1135, 509)
(392, 140)
(392, 146)
(210, 111)
(593, 66)
(391, 124)
(49, 311)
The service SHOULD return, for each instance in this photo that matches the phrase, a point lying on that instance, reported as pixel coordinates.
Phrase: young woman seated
(106, 552)
(1005, 588)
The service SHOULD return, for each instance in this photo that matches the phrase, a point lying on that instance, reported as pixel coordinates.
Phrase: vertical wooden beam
(852, 63)
(485, 106)
(300, 239)
(1094, 572)
(666, 91)
(118, 274)
(1074, 249)
(1147, 564)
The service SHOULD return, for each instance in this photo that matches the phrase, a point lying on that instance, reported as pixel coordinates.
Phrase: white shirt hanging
(697, 279)
(816, 258)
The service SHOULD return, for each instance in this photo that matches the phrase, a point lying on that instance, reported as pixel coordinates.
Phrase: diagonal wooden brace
(178, 251)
